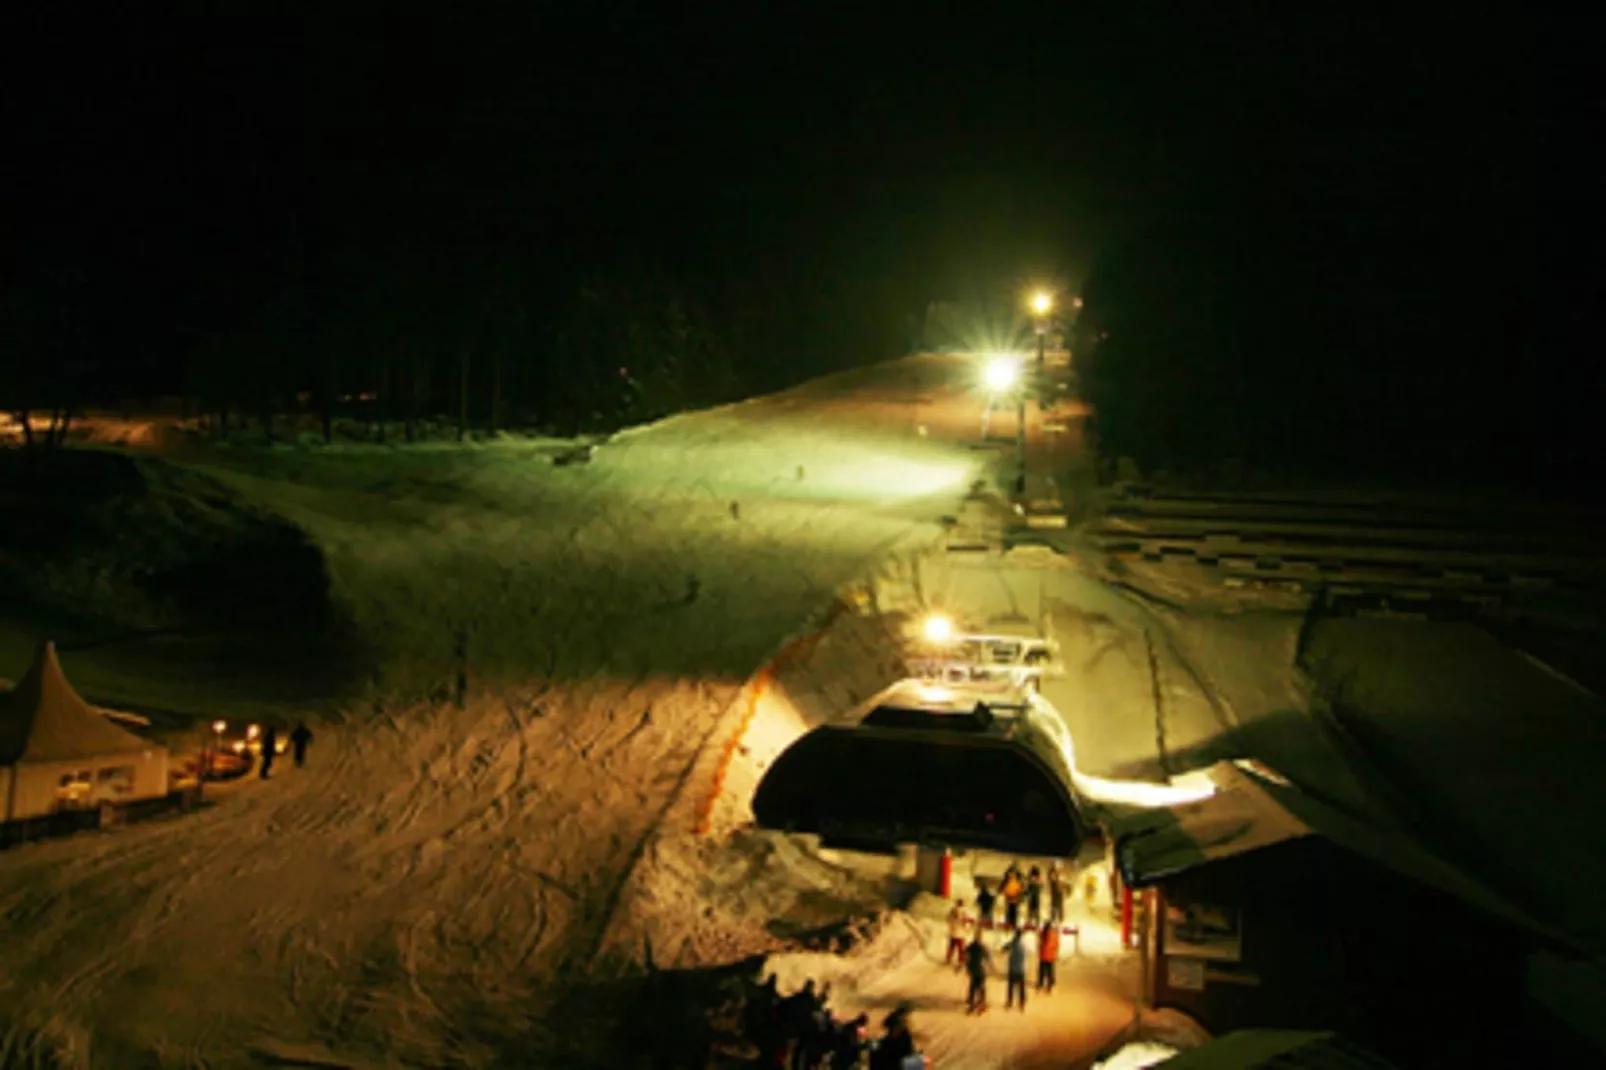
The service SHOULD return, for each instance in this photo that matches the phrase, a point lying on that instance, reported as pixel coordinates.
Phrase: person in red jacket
(1048, 954)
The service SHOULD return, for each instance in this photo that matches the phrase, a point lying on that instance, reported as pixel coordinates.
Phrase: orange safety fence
(752, 694)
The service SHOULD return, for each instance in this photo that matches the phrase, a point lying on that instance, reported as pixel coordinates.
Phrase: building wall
(1332, 942)
(38, 784)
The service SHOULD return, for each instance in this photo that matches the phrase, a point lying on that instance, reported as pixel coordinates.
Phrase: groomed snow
(448, 886)
(426, 890)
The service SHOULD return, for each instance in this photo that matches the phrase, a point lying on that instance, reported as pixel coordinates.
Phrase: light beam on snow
(884, 476)
(1187, 788)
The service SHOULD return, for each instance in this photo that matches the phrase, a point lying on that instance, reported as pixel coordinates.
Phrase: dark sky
(168, 168)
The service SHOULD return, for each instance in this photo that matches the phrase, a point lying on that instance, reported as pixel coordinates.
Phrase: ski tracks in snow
(418, 890)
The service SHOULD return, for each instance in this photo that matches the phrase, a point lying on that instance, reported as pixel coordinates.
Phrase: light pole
(218, 728)
(1020, 437)
(1042, 304)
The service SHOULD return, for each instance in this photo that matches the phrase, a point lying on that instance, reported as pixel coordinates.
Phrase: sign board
(1204, 931)
(1184, 974)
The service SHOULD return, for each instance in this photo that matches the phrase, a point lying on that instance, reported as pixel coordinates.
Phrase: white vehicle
(1015, 660)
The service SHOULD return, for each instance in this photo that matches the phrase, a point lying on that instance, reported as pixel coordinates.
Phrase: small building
(1273, 910)
(57, 752)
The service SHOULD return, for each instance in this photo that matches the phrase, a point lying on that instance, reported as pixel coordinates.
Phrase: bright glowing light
(239, 747)
(1188, 788)
(935, 693)
(1042, 302)
(938, 628)
(219, 726)
(1002, 374)
(252, 731)
(1138, 1055)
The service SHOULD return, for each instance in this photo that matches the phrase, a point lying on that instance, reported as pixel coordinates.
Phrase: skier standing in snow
(897, 1045)
(1056, 893)
(298, 743)
(1012, 891)
(797, 1017)
(984, 906)
(850, 1043)
(1034, 898)
(270, 750)
(1017, 973)
(1048, 953)
(958, 923)
(760, 1006)
(977, 962)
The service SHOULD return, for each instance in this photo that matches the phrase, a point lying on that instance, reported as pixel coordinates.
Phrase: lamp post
(1042, 304)
(218, 728)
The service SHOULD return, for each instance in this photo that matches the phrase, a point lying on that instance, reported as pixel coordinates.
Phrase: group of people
(967, 952)
(300, 738)
(1019, 891)
(799, 1032)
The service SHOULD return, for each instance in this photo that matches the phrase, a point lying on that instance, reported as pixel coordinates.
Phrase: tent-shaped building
(58, 752)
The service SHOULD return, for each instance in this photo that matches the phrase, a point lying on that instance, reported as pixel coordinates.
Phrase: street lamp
(218, 728)
(1041, 303)
(1001, 374)
(937, 628)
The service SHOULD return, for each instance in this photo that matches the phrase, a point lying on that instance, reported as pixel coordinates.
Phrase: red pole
(1126, 917)
(945, 880)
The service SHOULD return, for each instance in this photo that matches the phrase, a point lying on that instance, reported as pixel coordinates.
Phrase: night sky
(171, 172)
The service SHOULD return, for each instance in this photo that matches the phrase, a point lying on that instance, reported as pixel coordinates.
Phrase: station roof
(1277, 1049)
(1253, 808)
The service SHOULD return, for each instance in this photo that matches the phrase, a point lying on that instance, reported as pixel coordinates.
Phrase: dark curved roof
(871, 785)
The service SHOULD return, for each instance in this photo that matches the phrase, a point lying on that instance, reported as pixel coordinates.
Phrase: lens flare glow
(1001, 374)
(937, 628)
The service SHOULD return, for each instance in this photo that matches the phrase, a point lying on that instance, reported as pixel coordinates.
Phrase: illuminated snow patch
(1187, 788)
(1137, 1055)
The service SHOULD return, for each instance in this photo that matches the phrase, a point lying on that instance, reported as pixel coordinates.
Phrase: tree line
(381, 344)
(1331, 344)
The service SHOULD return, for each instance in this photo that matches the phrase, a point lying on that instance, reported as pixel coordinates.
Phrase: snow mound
(141, 543)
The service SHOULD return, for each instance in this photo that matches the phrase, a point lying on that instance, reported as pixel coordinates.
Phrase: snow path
(416, 892)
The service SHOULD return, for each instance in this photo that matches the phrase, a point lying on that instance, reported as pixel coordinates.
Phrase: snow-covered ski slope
(438, 878)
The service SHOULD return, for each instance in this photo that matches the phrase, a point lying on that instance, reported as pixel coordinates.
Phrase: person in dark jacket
(977, 959)
(984, 905)
(851, 1040)
(1017, 973)
(897, 1045)
(796, 1013)
(1056, 894)
(1034, 898)
(298, 743)
(270, 750)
